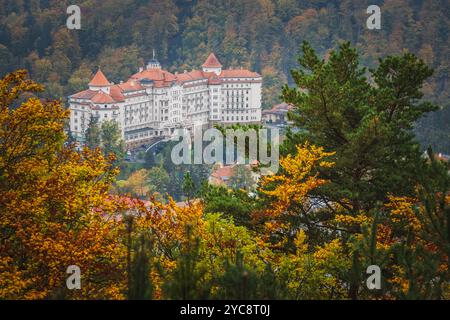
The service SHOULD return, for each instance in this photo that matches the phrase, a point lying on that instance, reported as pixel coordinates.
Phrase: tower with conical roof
(212, 64)
(99, 82)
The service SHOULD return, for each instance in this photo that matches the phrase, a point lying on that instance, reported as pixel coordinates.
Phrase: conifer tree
(188, 186)
(187, 281)
(93, 134)
(140, 286)
(366, 118)
(243, 282)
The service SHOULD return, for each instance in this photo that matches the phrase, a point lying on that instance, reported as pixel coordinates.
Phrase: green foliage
(111, 138)
(105, 136)
(242, 178)
(197, 172)
(93, 134)
(186, 280)
(241, 282)
(235, 204)
(158, 180)
(140, 286)
(368, 126)
(261, 35)
(364, 252)
(188, 186)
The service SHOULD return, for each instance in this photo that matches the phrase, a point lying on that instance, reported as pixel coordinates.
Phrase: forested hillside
(263, 35)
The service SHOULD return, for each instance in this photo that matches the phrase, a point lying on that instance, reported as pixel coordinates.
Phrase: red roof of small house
(223, 173)
(99, 80)
(212, 62)
(281, 108)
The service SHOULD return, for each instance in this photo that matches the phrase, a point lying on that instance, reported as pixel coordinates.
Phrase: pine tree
(424, 252)
(187, 281)
(140, 286)
(367, 123)
(242, 282)
(93, 134)
(112, 142)
(188, 186)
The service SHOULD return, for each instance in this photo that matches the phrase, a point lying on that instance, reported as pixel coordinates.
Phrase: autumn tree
(158, 180)
(291, 205)
(136, 185)
(49, 195)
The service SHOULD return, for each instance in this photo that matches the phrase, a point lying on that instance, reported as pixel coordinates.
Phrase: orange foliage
(47, 195)
(297, 179)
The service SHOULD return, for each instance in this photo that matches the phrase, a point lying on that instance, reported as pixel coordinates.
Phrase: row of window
(236, 85)
(241, 118)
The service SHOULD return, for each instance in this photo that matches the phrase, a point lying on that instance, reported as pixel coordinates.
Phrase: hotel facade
(154, 102)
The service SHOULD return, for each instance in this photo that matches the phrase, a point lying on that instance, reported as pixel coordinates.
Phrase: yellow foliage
(297, 179)
(401, 209)
(48, 199)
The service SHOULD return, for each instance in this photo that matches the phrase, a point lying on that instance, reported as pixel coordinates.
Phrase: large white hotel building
(154, 102)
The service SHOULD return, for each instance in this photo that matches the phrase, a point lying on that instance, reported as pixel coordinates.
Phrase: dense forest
(264, 35)
(353, 196)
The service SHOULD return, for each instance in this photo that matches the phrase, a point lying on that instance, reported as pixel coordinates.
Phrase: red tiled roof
(116, 93)
(214, 80)
(99, 80)
(283, 106)
(194, 75)
(131, 85)
(212, 62)
(155, 75)
(161, 84)
(85, 94)
(190, 76)
(279, 109)
(238, 73)
(223, 173)
(102, 97)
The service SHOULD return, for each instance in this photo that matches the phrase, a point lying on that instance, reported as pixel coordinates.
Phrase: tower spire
(153, 63)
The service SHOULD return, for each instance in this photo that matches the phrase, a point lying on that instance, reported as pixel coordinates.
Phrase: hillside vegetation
(263, 35)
